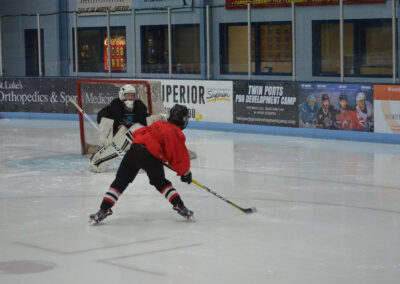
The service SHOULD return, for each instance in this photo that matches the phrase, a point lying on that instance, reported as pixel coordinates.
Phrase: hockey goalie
(117, 121)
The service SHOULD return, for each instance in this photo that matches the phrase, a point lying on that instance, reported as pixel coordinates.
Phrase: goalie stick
(84, 113)
(117, 150)
(121, 155)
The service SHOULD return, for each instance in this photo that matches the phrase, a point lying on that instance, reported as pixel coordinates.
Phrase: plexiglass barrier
(306, 40)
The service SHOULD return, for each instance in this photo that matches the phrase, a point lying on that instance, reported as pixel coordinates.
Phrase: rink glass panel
(271, 48)
(92, 49)
(367, 48)
(185, 49)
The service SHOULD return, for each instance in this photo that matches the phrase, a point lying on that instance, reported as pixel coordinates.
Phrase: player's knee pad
(121, 184)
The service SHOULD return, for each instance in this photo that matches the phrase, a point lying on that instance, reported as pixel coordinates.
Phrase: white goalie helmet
(127, 89)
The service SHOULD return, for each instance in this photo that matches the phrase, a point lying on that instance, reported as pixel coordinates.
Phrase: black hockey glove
(187, 177)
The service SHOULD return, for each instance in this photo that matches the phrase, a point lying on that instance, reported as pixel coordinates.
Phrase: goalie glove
(155, 117)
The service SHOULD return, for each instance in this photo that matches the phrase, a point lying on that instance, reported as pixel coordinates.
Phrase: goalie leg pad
(106, 130)
(134, 127)
(106, 155)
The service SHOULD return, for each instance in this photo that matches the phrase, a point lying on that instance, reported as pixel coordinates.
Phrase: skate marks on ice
(86, 250)
(25, 266)
(68, 162)
(28, 266)
(114, 261)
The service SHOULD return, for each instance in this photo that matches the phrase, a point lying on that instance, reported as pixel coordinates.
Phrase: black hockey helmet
(324, 97)
(343, 97)
(179, 115)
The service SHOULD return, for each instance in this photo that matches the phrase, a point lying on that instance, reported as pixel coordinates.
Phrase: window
(367, 48)
(271, 45)
(93, 53)
(185, 41)
(32, 52)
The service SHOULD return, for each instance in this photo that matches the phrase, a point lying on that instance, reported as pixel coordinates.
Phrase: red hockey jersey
(165, 141)
(348, 121)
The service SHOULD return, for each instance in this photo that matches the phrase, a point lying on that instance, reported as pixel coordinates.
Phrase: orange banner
(387, 92)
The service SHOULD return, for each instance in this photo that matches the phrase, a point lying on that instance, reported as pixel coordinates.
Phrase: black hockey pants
(138, 157)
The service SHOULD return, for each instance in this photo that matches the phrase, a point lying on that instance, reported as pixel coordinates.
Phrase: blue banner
(336, 106)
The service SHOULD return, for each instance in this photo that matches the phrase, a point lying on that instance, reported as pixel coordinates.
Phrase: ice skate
(183, 211)
(99, 216)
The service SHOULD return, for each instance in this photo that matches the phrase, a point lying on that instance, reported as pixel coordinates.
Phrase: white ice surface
(328, 212)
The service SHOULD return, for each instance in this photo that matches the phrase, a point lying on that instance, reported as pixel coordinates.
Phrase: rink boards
(244, 106)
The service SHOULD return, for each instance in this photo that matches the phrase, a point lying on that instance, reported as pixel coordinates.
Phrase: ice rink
(328, 212)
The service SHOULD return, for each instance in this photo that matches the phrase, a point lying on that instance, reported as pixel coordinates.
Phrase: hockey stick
(244, 210)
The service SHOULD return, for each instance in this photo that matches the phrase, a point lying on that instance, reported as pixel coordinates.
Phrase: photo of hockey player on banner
(336, 106)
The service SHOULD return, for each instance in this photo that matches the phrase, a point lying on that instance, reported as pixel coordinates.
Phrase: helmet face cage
(127, 89)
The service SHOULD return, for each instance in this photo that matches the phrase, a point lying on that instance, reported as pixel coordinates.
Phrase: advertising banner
(209, 101)
(387, 108)
(103, 5)
(118, 53)
(42, 95)
(336, 106)
(265, 103)
(154, 5)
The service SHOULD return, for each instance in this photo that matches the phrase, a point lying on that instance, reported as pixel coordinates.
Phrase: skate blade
(191, 218)
(93, 222)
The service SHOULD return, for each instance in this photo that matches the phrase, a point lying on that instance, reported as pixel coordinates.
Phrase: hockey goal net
(95, 94)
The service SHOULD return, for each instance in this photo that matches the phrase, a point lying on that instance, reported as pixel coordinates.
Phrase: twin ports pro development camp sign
(263, 103)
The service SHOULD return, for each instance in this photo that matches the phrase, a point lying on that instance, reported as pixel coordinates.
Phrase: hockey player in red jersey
(365, 112)
(153, 146)
(346, 119)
